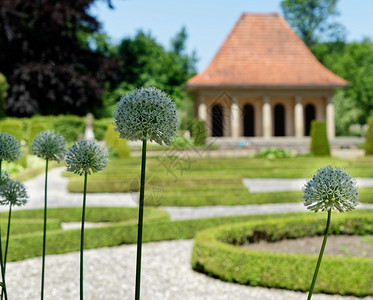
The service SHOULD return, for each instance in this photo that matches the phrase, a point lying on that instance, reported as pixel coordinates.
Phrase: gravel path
(58, 196)
(110, 272)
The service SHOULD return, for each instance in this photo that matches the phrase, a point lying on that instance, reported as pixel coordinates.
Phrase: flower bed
(217, 254)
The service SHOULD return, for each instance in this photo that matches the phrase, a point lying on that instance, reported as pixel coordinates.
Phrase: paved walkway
(166, 272)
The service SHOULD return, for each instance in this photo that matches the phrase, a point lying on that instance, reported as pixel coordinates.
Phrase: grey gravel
(269, 185)
(109, 274)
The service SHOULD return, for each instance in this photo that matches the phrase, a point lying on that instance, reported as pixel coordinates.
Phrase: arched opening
(279, 121)
(248, 120)
(217, 120)
(310, 114)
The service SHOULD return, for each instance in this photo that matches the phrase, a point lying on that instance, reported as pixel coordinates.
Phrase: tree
(313, 19)
(146, 63)
(3, 94)
(48, 69)
(353, 62)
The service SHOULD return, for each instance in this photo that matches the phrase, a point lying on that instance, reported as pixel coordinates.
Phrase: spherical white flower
(13, 193)
(48, 145)
(147, 114)
(10, 149)
(86, 157)
(330, 188)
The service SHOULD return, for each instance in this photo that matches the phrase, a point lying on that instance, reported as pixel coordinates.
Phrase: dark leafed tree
(48, 68)
(313, 20)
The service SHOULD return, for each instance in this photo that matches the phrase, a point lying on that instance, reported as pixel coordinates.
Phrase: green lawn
(180, 180)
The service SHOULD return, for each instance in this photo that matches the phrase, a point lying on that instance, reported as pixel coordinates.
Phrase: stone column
(330, 123)
(235, 119)
(267, 118)
(298, 117)
(202, 109)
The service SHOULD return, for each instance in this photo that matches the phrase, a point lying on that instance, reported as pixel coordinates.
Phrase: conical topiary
(319, 139)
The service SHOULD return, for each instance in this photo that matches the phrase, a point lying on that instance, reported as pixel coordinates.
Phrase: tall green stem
(7, 236)
(82, 236)
(140, 224)
(44, 230)
(1, 258)
(320, 255)
(7, 244)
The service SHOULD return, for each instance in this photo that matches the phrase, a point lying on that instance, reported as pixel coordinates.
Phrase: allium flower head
(147, 114)
(13, 193)
(86, 157)
(48, 145)
(9, 147)
(330, 188)
(4, 178)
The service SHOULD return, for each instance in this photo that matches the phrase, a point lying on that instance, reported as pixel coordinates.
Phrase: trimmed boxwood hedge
(26, 231)
(216, 253)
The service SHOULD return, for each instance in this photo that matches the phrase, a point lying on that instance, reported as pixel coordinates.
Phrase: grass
(182, 180)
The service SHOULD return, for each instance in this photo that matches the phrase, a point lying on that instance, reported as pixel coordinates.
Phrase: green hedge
(369, 139)
(199, 132)
(319, 139)
(14, 127)
(26, 234)
(26, 239)
(100, 126)
(216, 253)
(116, 143)
(70, 126)
(34, 129)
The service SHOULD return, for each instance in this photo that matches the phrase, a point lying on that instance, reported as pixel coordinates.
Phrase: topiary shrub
(100, 126)
(369, 138)
(3, 94)
(199, 133)
(217, 252)
(70, 127)
(14, 127)
(271, 153)
(319, 139)
(119, 145)
(34, 129)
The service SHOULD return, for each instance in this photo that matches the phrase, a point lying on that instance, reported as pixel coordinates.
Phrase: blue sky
(208, 22)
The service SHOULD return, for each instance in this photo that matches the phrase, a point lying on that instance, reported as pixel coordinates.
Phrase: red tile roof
(263, 50)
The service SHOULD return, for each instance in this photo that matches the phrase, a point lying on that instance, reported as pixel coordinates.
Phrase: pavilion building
(264, 82)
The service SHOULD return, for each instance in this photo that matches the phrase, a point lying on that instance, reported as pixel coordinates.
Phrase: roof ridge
(262, 49)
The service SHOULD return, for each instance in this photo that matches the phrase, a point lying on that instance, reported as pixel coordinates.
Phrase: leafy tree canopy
(354, 62)
(3, 94)
(146, 63)
(41, 54)
(313, 20)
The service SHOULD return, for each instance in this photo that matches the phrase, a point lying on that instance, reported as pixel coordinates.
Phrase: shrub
(70, 127)
(99, 128)
(14, 127)
(199, 133)
(271, 153)
(119, 145)
(369, 138)
(216, 253)
(3, 94)
(34, 129)
(319, 139)
(181, 142)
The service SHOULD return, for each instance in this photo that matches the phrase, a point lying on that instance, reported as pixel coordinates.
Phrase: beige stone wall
(205, 100)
